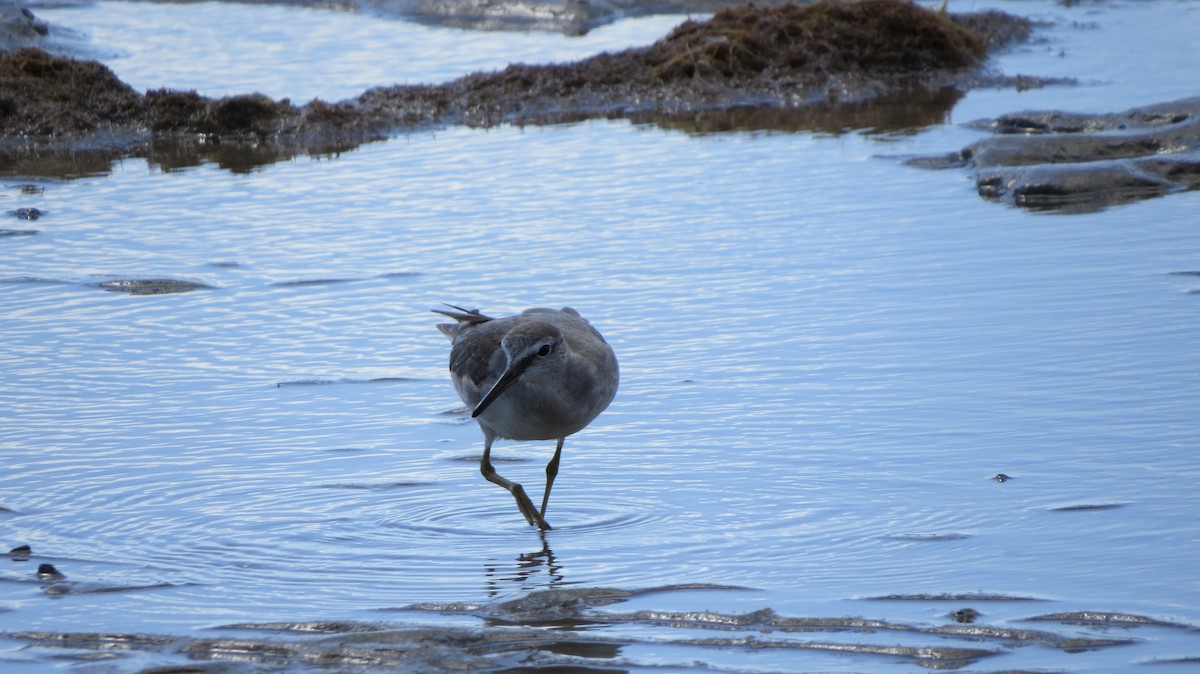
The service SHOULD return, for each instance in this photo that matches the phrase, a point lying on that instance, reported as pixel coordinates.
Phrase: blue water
(826, 358)
(304, 53)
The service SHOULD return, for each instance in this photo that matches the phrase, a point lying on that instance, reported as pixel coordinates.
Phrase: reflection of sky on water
(806, 372)
(826, 356)
(222, 49)
(305, 53)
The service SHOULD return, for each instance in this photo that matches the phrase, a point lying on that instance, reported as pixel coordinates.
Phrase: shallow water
(827, 357)
(305, 53)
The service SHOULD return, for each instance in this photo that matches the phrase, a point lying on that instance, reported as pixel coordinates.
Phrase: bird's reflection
(537, 570)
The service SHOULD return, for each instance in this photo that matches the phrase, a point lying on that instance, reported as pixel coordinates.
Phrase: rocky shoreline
(832, 64)
(1053, 160)
(540, 632)
(747, 56)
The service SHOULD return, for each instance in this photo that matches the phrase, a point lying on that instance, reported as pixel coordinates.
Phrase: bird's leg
(523, 503)
(551, 473)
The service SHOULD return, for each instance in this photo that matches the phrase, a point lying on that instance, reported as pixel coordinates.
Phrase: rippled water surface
(827, 357)
(303, 53)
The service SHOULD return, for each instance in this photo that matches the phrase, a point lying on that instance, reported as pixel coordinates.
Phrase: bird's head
(534, 350)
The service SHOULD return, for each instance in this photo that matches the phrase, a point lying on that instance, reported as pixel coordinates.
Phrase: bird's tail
(465, 317)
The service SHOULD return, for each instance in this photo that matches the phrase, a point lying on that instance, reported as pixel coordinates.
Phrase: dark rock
(19, 27)
(1053, 160)
(48, 572)
(151, 286)
(965, 616)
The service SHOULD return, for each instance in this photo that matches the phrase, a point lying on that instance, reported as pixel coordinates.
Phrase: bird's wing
(476, 359)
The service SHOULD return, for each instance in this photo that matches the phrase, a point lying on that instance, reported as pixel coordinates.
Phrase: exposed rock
(573, 17)
(1053, 160)
(19, 27)
(542, 632)
(151, 286)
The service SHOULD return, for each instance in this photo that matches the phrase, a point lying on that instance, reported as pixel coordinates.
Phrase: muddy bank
(583, 630)
(749, 57)
(1055, 160)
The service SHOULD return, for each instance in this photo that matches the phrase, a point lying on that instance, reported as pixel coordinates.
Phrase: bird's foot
(526, 507)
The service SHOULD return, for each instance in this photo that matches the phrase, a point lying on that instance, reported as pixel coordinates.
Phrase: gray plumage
(543, 374)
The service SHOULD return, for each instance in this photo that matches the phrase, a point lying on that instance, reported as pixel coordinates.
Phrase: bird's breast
(539, 412)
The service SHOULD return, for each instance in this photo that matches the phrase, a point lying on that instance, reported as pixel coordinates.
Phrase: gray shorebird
(543, 374)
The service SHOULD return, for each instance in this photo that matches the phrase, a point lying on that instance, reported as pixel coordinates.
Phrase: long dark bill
(510, 377)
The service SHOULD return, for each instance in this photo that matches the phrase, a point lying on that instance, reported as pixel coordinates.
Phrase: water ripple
(817, 384)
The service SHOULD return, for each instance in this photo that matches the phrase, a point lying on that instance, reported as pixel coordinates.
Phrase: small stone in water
(964, 615)
(48, 572)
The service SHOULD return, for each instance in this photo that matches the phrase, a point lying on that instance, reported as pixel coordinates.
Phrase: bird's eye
(544, 351)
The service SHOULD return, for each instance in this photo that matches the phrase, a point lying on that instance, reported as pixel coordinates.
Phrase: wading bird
(543, 374)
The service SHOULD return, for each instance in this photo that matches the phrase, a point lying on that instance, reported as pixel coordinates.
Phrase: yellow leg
(523, 503)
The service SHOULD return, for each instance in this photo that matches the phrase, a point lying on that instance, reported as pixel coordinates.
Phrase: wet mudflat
(230, 434)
